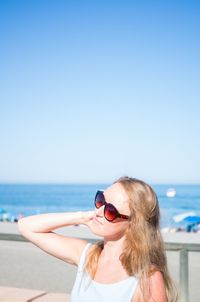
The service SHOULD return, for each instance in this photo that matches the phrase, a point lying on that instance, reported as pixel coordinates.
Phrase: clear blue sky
(92, 90)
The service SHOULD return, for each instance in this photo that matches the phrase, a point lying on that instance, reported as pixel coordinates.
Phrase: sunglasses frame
(106, 204)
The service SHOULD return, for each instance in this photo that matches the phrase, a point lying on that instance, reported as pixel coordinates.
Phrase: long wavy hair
(143, 252)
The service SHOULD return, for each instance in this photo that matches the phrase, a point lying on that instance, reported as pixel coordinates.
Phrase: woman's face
(116, 195)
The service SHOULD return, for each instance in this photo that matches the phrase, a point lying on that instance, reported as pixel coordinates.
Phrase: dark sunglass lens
(110, 212)
(99, 200)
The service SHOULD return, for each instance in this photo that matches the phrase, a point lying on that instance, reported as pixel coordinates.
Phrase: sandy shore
(24, 265)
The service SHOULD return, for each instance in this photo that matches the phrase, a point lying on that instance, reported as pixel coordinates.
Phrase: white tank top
(87, 290)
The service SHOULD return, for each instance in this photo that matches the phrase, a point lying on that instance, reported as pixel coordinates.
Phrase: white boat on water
(171, 192)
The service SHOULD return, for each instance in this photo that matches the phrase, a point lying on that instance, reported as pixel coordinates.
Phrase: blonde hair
(144, 248)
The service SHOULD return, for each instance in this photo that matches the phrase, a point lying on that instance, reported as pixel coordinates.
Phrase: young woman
(129, 265)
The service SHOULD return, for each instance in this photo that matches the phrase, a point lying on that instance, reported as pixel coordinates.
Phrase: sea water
(33, 199)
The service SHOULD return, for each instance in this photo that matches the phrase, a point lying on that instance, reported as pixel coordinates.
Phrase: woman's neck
(113, 248)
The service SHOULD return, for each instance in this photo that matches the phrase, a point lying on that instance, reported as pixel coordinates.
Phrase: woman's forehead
(116, 193)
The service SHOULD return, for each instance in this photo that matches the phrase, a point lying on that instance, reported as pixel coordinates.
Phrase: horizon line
(94, 183)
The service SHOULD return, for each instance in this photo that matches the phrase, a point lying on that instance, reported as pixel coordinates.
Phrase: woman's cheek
(107, 229)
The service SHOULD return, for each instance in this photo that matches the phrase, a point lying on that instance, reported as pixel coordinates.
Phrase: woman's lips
(96, 220)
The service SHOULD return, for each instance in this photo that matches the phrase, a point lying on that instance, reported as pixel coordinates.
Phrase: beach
(24, 265)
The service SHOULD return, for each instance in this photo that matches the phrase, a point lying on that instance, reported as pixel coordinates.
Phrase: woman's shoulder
(84, 251)
(157, 290)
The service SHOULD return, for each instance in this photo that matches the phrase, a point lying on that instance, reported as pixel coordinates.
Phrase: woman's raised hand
(39, 230)
(88, 217)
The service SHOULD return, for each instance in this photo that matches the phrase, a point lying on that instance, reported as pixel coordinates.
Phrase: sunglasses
(110, 212)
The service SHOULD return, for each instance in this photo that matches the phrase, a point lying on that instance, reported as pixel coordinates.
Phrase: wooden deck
(13, 294)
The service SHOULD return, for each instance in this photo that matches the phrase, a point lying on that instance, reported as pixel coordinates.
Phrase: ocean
(33, 199)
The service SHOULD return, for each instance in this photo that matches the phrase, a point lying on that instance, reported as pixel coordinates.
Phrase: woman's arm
(38, 229)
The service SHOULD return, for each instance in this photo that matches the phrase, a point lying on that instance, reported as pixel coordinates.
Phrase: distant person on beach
(129, 264)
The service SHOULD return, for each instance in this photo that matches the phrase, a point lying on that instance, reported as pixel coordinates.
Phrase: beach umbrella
(192, 219)
(2, 211)
(183, 216)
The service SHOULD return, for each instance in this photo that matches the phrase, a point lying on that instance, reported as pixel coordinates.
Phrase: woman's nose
(100, 211)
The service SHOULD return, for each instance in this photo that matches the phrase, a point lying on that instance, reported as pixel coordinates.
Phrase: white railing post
(183, 270)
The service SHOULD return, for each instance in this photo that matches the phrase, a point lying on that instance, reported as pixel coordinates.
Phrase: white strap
(83, 257)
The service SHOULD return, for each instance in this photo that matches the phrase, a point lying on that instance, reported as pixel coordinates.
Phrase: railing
(183, 249)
